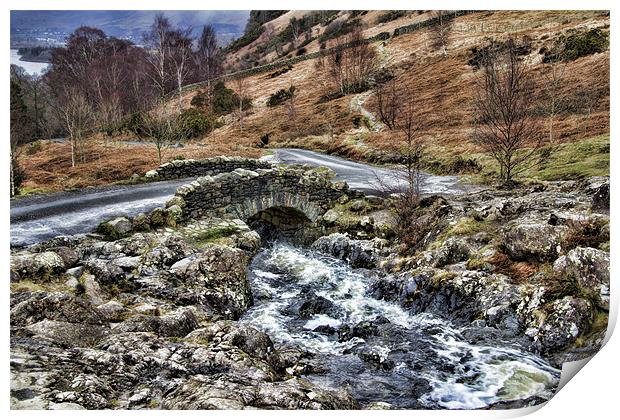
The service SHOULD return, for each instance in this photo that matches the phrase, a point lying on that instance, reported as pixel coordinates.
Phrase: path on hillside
(40, 218)
(357, 103)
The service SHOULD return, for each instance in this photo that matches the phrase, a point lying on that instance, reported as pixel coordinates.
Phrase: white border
(592, 395)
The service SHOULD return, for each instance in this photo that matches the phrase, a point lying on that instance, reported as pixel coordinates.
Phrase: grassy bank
(569, 161)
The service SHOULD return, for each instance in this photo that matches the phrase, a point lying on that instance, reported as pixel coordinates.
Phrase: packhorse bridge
(285, 196)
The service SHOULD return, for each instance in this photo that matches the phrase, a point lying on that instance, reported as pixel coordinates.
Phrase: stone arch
(250, 206)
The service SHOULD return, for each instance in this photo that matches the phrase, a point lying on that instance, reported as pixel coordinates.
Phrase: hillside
(443, 85)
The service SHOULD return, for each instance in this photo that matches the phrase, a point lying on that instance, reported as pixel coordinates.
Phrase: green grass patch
(29, 191)
(213, 235)
(568, 161)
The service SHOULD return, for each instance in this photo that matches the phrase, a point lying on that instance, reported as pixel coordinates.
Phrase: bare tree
(162, 130)
(412, 148)
(349, 63)
(441, 31)
(77, 115)
(553, 82)
(157, 43)
(208, 57)
(505, 126)
(387, 102)
(180, 46)
(240, 87)
(295, 25)
(407, 180)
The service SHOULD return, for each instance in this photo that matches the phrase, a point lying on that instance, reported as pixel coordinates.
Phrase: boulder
(112, 311)
(140, 223)
(69, 334)
(357, 206)
(566, 319)
(178, 323)
(105, 272)
(204, 392)
(37, 267)
(115, 228)
(216, 278)
(533, 240)
(318, 305)
(589, 267)
(58, 306)
(359, 253)
(69, 257)
(92, 289)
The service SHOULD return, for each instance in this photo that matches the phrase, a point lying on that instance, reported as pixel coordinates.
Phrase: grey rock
(590, 268)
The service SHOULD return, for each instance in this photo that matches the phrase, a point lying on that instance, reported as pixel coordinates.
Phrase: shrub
(252, 31)
(478, 54)
(281, 71)
(338, 28)
(300, 51)
(357, 121)
(280, 96)
(134, 124)
(201, 100)
(264, 140)
(19, 176)
(577, 45)
(195, 123)
(585, 233)
(226, 100)
(33, 147)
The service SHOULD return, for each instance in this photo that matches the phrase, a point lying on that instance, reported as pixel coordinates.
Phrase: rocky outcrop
(531, 239)
(358, 253)
(224, 365)
(589, 267)
(149, 319)
(216, 278)
(36, 265)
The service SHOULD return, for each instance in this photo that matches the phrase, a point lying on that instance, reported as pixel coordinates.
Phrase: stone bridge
(286, 196)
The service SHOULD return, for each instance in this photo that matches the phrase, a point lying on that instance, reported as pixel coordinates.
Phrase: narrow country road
(367, 178)
(67, 213)
(40, 218)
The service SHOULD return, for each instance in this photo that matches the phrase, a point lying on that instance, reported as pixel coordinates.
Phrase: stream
(377, 350)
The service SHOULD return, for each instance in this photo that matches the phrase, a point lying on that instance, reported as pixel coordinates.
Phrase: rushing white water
(408, 350)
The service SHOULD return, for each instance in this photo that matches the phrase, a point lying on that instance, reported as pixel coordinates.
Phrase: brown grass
(444, 87)
(519, 271)
(50, 168)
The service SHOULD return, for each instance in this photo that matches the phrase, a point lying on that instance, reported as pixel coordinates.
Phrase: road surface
(40, 218)
(367, 178)
(68, 213)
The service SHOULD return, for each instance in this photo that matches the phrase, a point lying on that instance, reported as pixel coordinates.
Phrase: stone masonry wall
(203, 167)
(243, 193)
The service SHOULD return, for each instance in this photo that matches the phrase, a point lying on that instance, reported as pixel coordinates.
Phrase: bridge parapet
(192, 168)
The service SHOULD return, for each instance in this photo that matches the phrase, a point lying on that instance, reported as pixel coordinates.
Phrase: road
(40, 218)
(367, 178)
(68, 213)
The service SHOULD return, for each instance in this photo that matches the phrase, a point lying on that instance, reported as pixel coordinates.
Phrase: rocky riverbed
(479, 310)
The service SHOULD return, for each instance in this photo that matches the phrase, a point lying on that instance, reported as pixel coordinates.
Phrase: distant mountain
(30, 27)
